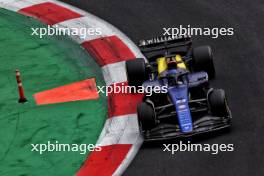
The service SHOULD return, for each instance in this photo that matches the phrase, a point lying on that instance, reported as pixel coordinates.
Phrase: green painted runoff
(44, 64)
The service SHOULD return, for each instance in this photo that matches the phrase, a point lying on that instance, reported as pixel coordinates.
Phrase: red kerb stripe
(49, 13)
(123, 103)
(104, 162)
(108, 50)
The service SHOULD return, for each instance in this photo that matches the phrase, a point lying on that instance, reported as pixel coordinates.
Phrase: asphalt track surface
(239, 61)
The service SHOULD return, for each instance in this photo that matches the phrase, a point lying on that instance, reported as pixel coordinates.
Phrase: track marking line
(83, 90)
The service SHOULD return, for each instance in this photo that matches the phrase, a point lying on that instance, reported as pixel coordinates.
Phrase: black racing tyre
(136, 71)
(218, 102)
(203, 60)
(146, 115)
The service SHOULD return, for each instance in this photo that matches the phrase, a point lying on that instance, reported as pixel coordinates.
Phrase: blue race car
(189, 105)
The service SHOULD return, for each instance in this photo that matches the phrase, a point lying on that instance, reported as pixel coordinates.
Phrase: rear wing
(165, 45)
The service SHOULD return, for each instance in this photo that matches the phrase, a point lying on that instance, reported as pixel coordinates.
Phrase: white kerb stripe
(87, 23)
(114, 73)
(16, 5)
(120, 130)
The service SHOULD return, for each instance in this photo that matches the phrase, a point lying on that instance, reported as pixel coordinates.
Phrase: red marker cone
(22, 98)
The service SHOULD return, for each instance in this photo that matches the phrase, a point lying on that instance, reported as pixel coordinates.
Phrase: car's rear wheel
(203, 60)
(136, 71)
(146, 115)
(218, 102)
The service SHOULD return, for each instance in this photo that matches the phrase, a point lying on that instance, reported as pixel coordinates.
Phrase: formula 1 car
(189, 106)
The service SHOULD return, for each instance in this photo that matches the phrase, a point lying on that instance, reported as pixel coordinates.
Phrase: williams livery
(189, 106)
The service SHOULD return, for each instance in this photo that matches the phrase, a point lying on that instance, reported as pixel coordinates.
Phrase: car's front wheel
(136, 71)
